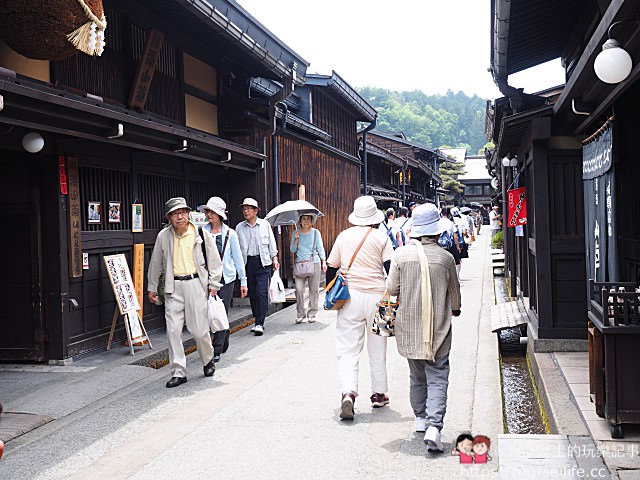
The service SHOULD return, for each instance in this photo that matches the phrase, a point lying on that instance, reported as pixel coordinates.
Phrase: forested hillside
(453, 120)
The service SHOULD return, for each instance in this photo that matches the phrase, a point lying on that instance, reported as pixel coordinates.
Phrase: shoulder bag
(337, 292)
(305, 268)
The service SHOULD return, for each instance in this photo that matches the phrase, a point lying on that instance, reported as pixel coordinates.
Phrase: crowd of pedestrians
(415, 256)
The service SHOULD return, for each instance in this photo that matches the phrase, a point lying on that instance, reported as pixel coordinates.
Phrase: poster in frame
(136, 217)
(94, 211)
(115, 212)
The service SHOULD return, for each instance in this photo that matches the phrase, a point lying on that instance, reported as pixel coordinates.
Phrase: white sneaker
(432, 440)
(299, 319)
(253, 328)
(259, 330)
(311, 319)
(421, 424)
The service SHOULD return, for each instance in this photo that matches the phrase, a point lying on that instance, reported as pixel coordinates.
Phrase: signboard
(146, 69)
(121, 282)
(517, 207)
(74, 219)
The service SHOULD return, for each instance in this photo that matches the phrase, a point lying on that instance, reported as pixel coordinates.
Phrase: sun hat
(454, 211)
(216, 205)
(175, 204)
(365, 212)
(465, 210)
(427, 221)
(313, 216)
(250, 202)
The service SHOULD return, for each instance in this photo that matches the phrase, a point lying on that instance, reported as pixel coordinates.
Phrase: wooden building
(314, 152)
(550, 265)
(398, 171)
(175, 106)
(576, 149)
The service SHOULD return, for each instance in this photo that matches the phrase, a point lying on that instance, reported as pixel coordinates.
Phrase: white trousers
(352, 326)
(187, 303)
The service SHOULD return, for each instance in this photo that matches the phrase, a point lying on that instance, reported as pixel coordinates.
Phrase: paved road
(271, 411)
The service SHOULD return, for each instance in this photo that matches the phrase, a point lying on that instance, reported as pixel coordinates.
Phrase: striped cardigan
(404, 280)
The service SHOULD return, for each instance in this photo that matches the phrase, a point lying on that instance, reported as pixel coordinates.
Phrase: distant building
(476, 181)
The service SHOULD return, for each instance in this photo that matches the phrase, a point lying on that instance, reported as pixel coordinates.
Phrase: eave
(366, 112)
(41, 107)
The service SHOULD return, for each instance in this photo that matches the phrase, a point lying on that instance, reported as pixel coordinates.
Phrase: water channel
(522, 410)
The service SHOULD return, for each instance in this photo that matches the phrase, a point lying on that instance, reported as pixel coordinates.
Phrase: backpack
(446, 240)
(394, 243)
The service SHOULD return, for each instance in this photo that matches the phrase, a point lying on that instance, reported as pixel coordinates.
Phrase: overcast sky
(428, 45)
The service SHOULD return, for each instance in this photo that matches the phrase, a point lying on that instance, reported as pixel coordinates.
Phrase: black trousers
(258, 278)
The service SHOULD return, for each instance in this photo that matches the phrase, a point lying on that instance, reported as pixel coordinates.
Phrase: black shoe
(209, 369)
(176, 381)
(216, 358)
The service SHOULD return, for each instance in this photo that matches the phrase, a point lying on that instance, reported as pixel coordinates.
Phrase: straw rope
(89, 38)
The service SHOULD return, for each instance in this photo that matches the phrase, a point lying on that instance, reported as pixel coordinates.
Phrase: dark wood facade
(195, 137)
(398, 170)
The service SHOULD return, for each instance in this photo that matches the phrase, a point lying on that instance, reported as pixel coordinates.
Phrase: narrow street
(271, 411)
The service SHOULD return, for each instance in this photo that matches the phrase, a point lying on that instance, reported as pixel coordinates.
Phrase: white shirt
(493, 220)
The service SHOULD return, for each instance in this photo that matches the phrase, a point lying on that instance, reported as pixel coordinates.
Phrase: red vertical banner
(517, 207)
(62, 174)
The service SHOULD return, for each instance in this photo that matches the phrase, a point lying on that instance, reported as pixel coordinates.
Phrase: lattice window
(104, 186)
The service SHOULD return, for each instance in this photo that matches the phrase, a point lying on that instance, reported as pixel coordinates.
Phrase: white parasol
(289, 212)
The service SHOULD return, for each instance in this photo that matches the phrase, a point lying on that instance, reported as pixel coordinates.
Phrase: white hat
(427, 221)
(455, 211)
(365, 212)
(216, 205)
(250, 202)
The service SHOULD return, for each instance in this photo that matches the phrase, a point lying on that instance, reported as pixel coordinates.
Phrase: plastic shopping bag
(276, 289)
(218, 320)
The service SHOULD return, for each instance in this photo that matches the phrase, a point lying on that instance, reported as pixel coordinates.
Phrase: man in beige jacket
(423, 276)
(189, 280)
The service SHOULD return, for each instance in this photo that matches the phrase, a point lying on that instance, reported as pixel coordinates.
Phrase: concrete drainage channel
(523, 411)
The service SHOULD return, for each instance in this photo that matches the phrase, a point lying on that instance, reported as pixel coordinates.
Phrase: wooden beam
(594, 45)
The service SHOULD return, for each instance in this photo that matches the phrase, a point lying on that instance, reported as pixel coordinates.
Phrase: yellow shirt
(183, 263)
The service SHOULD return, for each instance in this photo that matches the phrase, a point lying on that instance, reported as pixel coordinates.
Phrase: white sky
(404, 45)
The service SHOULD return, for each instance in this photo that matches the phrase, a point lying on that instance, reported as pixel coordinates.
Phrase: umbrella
(289, 212)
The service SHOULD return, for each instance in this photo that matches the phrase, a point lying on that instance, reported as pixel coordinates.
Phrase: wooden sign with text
(74, 219)
(146, 69)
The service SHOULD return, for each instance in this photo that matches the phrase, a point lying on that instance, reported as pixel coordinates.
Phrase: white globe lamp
(613, 64)
(33, 142)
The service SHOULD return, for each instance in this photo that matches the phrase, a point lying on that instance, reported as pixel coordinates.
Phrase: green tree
(431, 120)
(450, 170)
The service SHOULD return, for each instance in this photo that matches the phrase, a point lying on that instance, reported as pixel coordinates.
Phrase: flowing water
(522, 413)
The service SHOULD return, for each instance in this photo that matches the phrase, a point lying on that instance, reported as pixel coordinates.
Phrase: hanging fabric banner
(517, 207)
(599, 205)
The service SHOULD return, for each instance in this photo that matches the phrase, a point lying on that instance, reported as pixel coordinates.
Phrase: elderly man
(260, 253)
(189, 279)
(423, 276)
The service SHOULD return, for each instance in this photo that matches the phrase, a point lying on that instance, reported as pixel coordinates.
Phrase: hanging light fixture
(33, 142)
(613, 64)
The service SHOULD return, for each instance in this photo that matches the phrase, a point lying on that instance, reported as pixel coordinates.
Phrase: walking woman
(232, 263)
(310, 258)
(371, 252)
